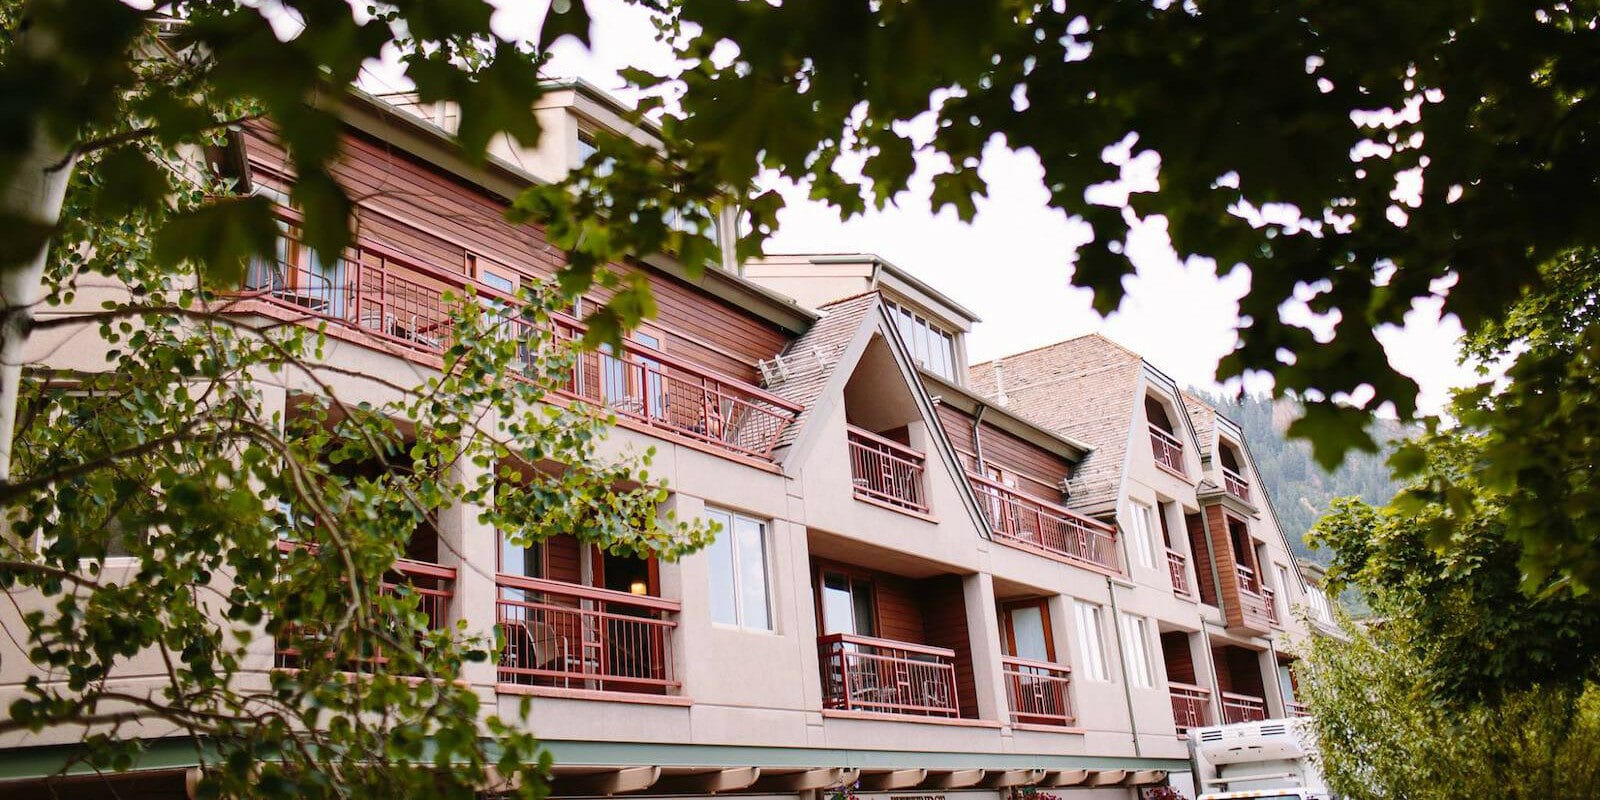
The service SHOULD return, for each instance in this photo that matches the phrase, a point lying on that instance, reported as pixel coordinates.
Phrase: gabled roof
(1084, 388)
(812, 359)
(819, 364)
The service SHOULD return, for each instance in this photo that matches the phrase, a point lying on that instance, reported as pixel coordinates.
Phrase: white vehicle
(1267, 760)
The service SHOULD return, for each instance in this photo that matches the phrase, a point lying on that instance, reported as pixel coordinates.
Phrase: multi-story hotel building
(932, 578)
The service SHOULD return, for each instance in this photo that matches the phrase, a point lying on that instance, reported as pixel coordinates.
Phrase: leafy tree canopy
(1287, 135)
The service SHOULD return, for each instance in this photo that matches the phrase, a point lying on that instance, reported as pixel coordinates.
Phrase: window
(1283, 590)
(587, 148)
(1142, 546)
(1027, 631)
(1091, 641)
(848, 605)
(522, 562)
(739, 591)
(931, 346)
(1136, 650)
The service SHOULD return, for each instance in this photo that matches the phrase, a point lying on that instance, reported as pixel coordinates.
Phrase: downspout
(977, 437)
(1127, 691)
(1216, 685)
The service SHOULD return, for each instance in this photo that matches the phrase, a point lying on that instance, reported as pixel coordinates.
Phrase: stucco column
(468, 544)
(272, 404)
(1268, 661)
(1205, 670)
(687, 581)
(983, 634)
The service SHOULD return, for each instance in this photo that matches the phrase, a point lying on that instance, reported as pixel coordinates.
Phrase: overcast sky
(1011, 264)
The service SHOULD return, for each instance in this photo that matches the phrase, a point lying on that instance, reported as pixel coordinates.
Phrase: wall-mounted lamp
(639, 588)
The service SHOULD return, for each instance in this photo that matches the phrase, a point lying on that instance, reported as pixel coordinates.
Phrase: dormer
(1165, 443)
(1231, 463)
(932, 326)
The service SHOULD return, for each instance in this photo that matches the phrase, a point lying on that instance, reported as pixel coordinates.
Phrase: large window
(1136, 650)
(739, 591)
(1092, 641)
(931, 346)
(1143, 548)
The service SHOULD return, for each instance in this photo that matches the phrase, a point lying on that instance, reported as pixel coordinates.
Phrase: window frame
(729, 520)
(1095, 661)
(1139, 514)
(922, 337)
(1136, 653)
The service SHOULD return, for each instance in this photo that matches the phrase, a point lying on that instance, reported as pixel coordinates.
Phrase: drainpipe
(1127, 690)
(1216, 685)
(977, 436)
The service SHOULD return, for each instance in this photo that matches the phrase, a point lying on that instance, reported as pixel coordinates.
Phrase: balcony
(1297, 709)
(567, 636)
(1017, 518)
(1256, 602)
(863, 673)
(1038, 691)
(1167, 450)
(1242, 708)
(1178, 568)
(1235, 484)
(885, 471)
(1191, 706)
(433, 586)
(402, 304)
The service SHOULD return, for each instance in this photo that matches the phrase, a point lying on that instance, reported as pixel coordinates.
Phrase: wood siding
(1175, 654)
(944, 614)
(1239, 671)
(1202, 559)
(1040, 471)
(563, 559)
(434, 218)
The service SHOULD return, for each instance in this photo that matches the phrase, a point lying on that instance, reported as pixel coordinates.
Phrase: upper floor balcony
(1257, 601)
(1178, 569)
(1242, 708)
(569, 636)
(1039, 692)
(402, 303)
(1191, 706)
(1018, 518)
(885, 471)
(1167, 449)
(1235, 484)
(865, 673)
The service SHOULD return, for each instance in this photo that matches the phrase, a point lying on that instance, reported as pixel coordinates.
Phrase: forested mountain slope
(1300, 489)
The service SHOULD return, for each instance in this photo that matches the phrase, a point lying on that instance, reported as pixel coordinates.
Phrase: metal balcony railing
(1016, 517)
(862, 673)
(581, 637)
(402, 303)
(432, 584)
(1178, 568)
(886, 471)
(1191, 706)
(1167, 449)
(1235, 484)
(1242, 708)
(1038, 691)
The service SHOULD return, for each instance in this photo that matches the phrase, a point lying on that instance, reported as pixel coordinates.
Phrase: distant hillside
(1300, 489)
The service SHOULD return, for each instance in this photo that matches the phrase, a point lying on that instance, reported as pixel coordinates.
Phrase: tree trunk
(35, 192)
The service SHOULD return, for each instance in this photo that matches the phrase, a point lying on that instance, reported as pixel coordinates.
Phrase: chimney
(1000, 383)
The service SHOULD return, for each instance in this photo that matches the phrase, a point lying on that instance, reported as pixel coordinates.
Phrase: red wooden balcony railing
(1191, 706)
(402, 303)
(1167, 449)
(433, 586)
(580, 637)
(1242, 708)
(886, 471)
(1235, 484)
(861, 673)
(1016, 517)
(1297, 709)
(1178, 568)
(1038, 691)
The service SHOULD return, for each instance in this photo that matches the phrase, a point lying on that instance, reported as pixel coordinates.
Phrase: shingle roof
(811, 359)
(1083, 388)
(1204, 418)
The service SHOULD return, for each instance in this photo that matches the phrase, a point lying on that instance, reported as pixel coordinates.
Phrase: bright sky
(1011, 264)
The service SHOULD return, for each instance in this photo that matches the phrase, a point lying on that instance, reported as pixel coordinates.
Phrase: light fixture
(638, 587)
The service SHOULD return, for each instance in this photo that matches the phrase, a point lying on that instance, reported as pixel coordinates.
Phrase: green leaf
(219, 237)
(128, 180)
